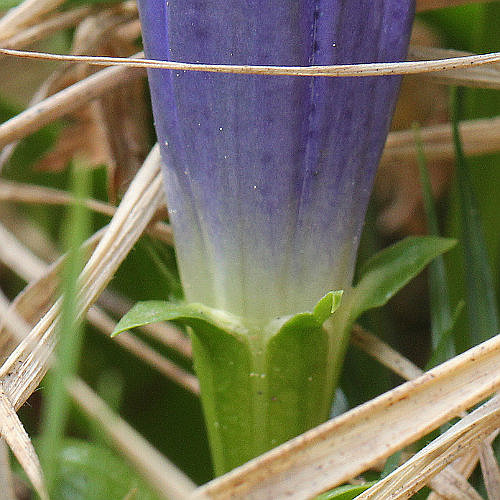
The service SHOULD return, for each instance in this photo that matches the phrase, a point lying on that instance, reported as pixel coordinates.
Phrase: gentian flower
(268, 177)
(267, 181)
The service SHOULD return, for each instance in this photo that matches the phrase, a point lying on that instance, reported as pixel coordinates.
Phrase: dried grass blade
(28, 12)
(137, 208)
(28, 193)
(13, 432)
(46, 28)
(29, 361)
(423, 5)
(342, 448)
(384, 354)
(14, 326)
(65, 101)
(451, 484)
(7, 489)
(105, 324)
(479, 137)
(448, 483)
(13, 253)
(167, 479)
(333, 71)
(482, 77)
(490, 470)
(412, 476)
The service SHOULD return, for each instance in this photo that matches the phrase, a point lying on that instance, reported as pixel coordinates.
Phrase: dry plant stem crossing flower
(333, 71)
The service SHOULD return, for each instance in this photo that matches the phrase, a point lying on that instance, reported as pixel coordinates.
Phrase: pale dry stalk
(39, 31)
(27, 13)
(483, 77)
(7, 489)
(480, 136)
(12, 430)
(332, 71)
(412, 476)
(65, 101)
(423, 5)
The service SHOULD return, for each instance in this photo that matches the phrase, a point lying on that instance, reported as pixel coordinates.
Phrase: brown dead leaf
(112, 130)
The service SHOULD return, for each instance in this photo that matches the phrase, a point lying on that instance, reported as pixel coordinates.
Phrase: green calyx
(262, 387)
(259, 388)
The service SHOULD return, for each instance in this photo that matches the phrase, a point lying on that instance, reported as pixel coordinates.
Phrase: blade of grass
(441, 316)
(57, 403)
(480, 291)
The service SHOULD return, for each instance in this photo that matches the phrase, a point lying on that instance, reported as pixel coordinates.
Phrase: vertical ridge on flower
(268, 177)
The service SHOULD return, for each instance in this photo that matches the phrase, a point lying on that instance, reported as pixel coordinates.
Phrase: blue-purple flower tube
(268, 177)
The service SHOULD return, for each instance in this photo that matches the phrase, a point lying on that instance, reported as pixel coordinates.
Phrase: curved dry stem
(339, 70)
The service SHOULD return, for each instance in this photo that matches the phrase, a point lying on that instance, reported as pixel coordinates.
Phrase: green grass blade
(441, 315)
(480, 291)
(57, 403)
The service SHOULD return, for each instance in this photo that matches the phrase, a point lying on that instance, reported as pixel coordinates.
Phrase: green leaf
(481, 297)
(391, 269)
(194, 315)
(391, 464)
(86, 471)
(8, 4)
(441, 317)
(300, 369)
(327, 306)
(441, 351)
(346, 492)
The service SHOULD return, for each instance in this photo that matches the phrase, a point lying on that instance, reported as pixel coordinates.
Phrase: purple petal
(268, 177)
